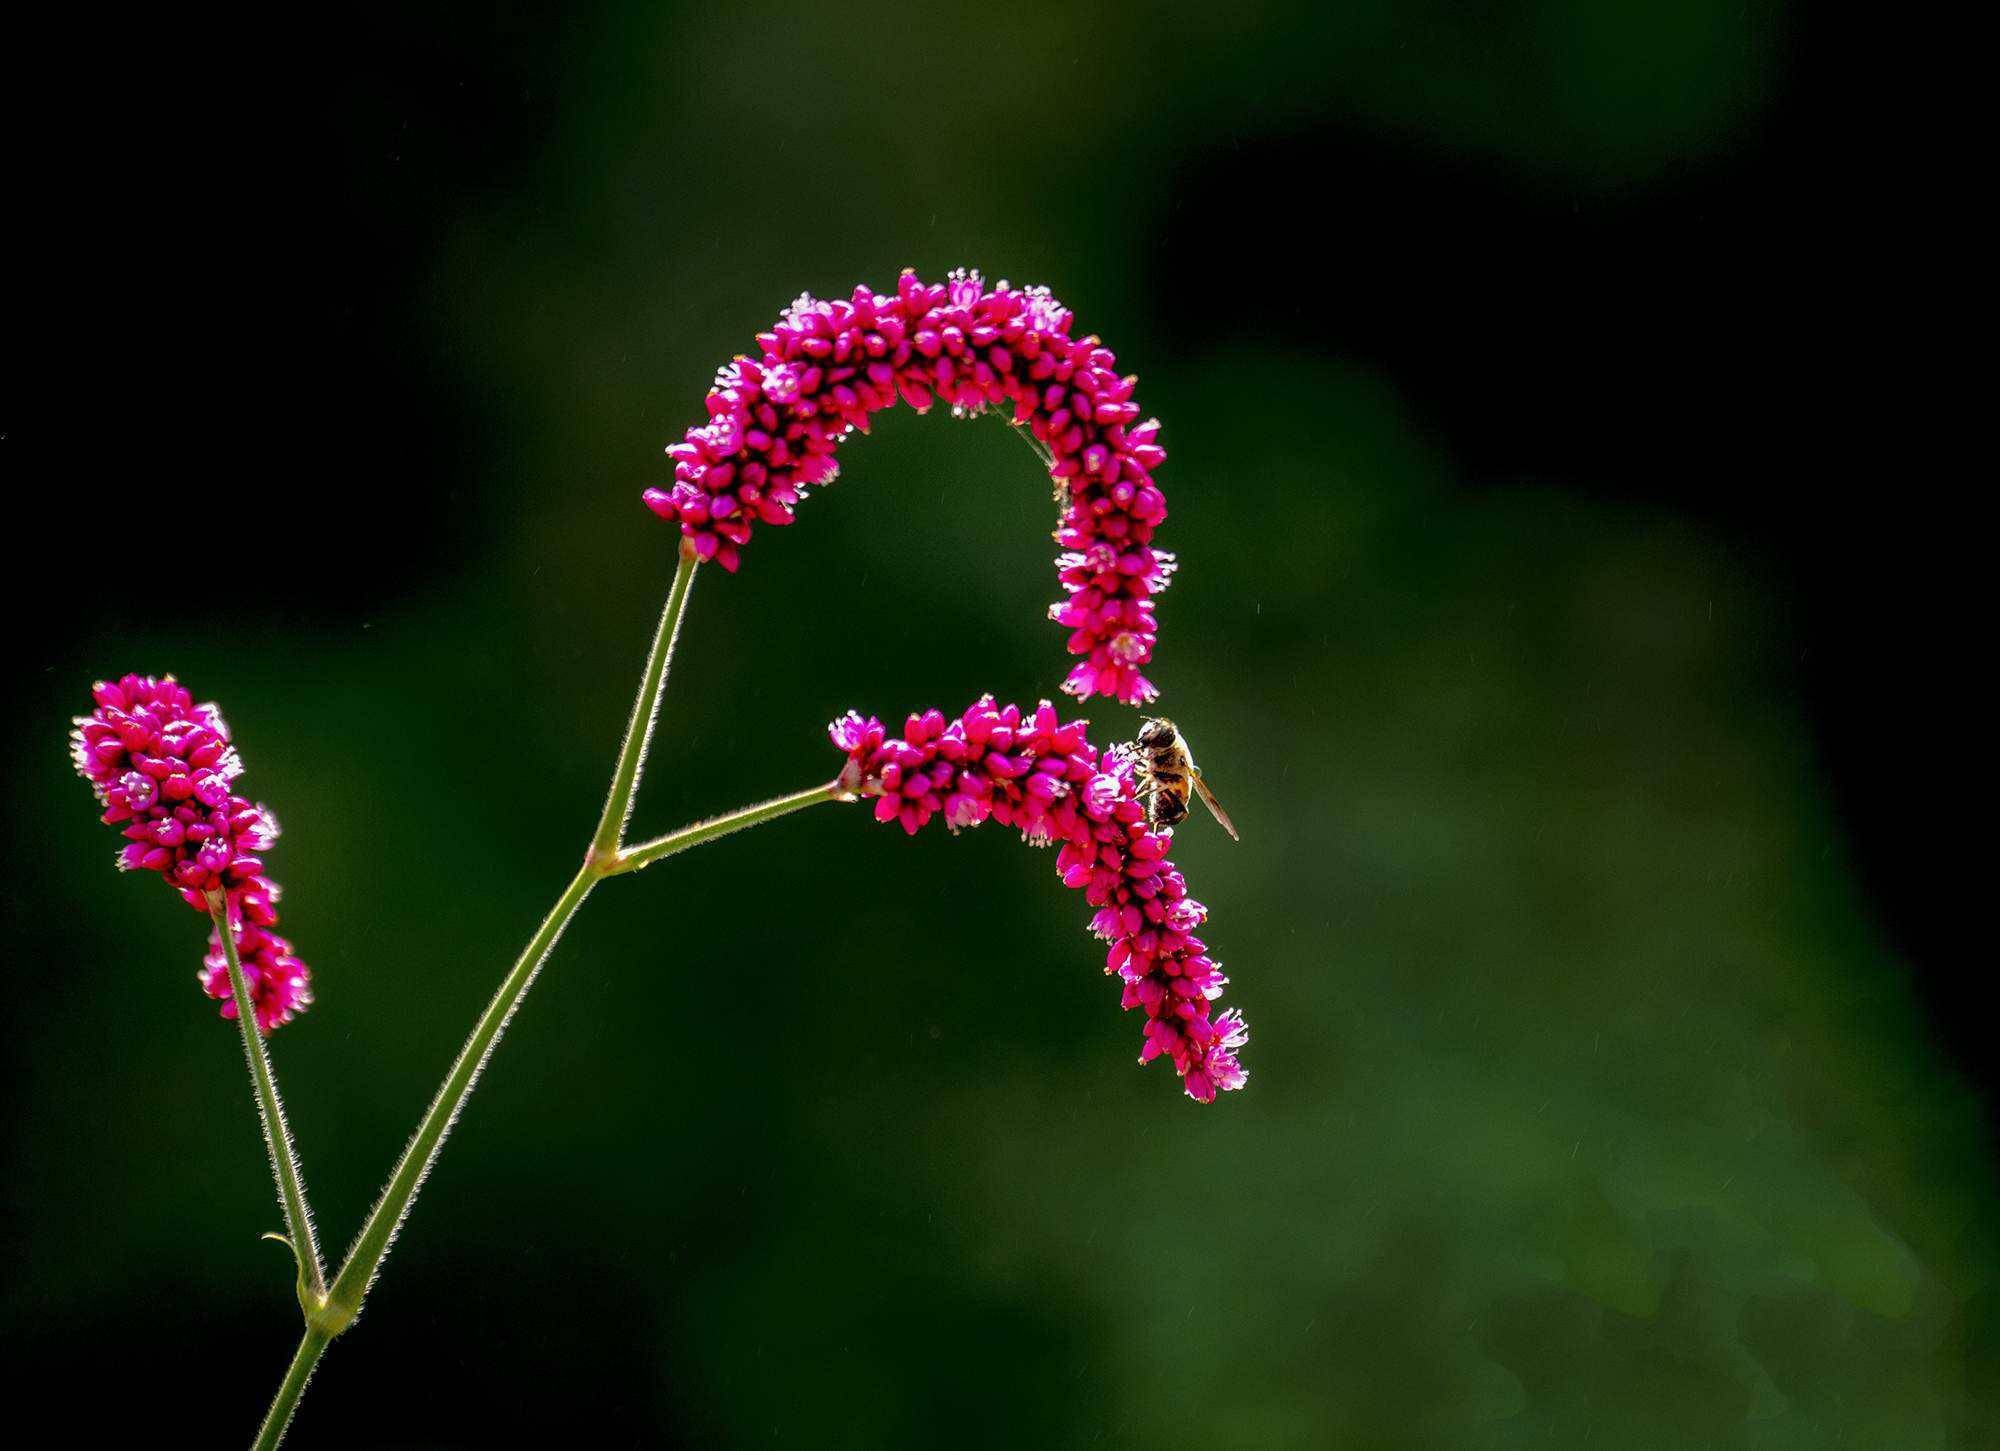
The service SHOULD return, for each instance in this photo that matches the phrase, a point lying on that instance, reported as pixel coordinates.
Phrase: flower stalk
(634, 858)
(278, 1419)
(645, 708)
(338, 1305)
(271, 1113)
(371, 1246)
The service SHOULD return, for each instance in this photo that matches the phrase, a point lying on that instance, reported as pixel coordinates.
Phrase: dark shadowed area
(1555, 616)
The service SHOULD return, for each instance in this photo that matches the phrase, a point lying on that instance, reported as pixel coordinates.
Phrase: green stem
(357, 1273)
(311, 1347)
(625, 779)
(632, 858)
(271, 1112)
(339, 1304)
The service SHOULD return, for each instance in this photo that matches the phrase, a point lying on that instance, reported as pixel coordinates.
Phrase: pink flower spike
(1032, 771)
(163, 769)
(773, 424)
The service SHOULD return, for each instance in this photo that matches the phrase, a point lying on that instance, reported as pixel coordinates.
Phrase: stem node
(331, 1319)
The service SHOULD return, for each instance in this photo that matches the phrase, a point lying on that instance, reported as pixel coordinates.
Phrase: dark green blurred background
(1609, 1087)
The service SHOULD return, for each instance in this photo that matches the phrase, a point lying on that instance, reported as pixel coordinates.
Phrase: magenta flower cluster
(1034, 772)
(775, 422)
(164, 770)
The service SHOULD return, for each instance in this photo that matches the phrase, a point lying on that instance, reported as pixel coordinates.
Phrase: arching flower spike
(1033, 771)
(775, 422)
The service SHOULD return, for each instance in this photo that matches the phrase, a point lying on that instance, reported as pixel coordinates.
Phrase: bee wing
(1214, 806)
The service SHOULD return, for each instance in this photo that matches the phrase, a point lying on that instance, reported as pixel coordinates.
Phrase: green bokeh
(1588, 1106)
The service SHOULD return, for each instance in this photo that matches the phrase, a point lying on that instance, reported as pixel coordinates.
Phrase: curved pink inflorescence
(164, 769)
(1032, 771)
(775, 422)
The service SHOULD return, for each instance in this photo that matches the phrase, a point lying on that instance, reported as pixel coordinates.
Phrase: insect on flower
(1035, 772)
(1170, 773)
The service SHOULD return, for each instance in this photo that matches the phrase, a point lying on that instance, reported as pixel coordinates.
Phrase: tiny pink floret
(1035, 772)
(280, 985)
(164, 769)
(776, 421)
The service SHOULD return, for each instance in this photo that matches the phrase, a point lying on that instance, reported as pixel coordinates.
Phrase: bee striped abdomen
(1168, 776)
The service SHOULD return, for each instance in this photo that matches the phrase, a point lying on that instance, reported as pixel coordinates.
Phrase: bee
(1170, 773)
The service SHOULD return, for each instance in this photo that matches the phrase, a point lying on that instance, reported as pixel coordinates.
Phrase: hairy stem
(271, 1112)
(632, 858)
(311, 1347)
(336, 1308)
(357, 1273)
(625, 778)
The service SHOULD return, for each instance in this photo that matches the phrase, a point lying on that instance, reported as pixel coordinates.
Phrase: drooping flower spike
(1032, 771)
(164, 769)
(776, 420)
